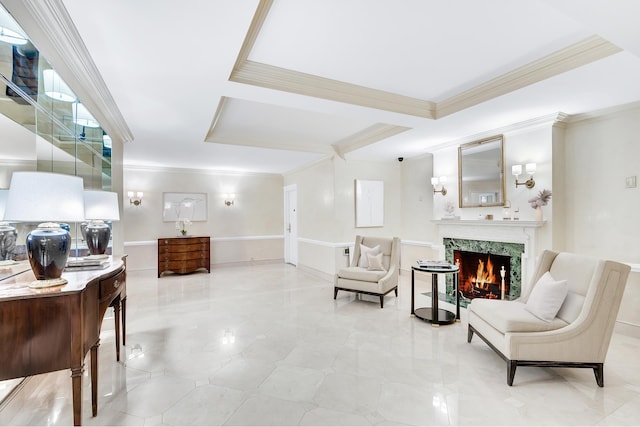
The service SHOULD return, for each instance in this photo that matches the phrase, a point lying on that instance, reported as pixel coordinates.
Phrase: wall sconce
(135, 198)
(439, 182)
(516, 170)
(228, 199)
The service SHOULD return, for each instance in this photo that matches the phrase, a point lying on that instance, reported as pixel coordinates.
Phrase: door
(291, 224)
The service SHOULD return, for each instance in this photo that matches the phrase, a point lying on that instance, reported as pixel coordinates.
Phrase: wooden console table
(184, 254)
(50, 329)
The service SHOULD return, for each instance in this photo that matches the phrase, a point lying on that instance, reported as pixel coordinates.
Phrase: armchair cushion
(547, 297)
(364, 251)
(361, 274)
(512, 316)
(375, 262)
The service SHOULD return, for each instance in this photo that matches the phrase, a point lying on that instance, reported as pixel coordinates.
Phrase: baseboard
(627, 328)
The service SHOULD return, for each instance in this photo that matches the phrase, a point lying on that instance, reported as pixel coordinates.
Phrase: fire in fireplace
(483, 275)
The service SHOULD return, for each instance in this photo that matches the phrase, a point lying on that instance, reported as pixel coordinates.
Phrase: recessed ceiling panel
(242, 122)
(424, 49)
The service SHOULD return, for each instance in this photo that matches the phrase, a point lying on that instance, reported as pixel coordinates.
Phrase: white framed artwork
(177, 206)
(369, 203)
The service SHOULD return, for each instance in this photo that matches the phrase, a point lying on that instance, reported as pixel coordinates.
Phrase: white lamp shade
(41, 197)
(530, 168)
(101, 205)
(56, 88)
(516, 170)
(82, 116)
(4, 194)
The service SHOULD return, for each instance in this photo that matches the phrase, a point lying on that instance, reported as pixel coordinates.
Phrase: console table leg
(124, 321)
(116, 316)
(94, 379)
(76, 387)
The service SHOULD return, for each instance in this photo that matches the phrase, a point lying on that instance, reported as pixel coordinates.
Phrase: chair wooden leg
(381, 301)
(599, 373)
(335, 293)
(511, 371)
(396, 289)
(469, 333)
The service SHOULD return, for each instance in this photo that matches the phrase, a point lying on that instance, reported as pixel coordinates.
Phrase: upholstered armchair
(373, 270)
(566, 319)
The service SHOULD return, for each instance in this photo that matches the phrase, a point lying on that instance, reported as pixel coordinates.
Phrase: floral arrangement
(182, 225)
(541, 199)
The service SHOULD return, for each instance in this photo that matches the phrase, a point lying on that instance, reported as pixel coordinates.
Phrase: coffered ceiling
(270, 86)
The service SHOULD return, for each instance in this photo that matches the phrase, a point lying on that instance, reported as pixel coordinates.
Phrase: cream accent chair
(364, 281)
(577, 337)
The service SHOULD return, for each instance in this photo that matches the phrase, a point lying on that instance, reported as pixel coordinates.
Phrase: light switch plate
(631, 182)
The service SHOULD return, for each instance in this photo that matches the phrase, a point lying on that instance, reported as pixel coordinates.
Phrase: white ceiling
(247, 85)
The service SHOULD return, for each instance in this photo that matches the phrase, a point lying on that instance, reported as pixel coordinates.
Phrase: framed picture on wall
(369, 203)
(191, 206)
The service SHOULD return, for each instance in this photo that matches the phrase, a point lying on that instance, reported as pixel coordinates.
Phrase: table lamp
(47, 198)
(8, 233)
(99, 206)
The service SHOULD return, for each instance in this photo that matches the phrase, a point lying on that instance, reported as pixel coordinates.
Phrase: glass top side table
(443, 317)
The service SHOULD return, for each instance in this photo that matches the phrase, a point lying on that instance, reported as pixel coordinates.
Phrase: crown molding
(212, 172)
(272, 144)
(604, 113)
(549, 119)
(272, 77)
(53, 32)
(569, 58)
(367, 136)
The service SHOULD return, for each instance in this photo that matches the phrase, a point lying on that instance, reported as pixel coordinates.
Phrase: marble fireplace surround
(497, 236)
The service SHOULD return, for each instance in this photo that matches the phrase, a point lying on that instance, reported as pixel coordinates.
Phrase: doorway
(291, 224)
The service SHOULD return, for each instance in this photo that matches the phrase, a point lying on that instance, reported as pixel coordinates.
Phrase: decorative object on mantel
(449, 208)
(540, 200)
(182, 226)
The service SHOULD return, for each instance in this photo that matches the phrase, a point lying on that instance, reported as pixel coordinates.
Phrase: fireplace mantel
(490, 223)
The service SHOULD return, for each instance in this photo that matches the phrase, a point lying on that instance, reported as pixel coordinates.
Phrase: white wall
(250, 230)
(600, 154)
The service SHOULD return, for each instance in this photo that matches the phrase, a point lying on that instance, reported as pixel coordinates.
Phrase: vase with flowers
(182, 225)
(540, 200)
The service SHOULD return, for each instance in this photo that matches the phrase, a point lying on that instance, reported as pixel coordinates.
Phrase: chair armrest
(391, 274)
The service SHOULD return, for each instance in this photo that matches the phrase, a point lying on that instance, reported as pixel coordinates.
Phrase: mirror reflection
(44, 126)
(481, 173)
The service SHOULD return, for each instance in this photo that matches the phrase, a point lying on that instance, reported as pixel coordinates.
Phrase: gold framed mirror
(481, 173)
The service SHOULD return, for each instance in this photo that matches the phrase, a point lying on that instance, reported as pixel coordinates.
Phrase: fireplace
(496, 255)
(483, 275)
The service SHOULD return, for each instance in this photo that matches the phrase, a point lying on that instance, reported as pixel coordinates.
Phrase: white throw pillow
(375, 262)
(547, 297)
(364, 250)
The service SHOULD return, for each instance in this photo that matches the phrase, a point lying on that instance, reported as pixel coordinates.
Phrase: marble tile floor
(266, 344)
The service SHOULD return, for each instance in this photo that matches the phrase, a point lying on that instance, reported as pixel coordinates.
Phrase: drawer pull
(116, 284)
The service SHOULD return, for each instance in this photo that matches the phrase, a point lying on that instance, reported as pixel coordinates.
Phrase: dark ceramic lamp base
(48, 248)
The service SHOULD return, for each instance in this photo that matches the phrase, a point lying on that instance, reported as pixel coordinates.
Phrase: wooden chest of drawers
(183, 254)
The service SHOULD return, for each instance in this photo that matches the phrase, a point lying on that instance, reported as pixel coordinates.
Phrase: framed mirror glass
(481, 173)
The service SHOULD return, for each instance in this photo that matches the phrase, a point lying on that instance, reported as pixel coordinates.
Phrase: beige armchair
(373, 270)
(577, 336)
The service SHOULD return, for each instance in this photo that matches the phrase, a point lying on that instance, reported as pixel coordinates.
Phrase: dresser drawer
(111, 285)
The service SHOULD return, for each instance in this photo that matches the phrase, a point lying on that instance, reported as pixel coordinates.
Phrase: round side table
(443, 317)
